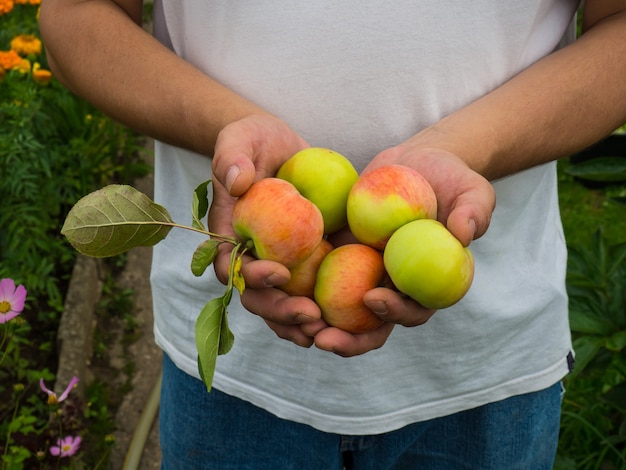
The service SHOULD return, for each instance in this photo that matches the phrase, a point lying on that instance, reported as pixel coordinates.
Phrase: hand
(245, 151)
(465, 203)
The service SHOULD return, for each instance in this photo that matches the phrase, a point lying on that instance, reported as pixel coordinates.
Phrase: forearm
(129, 75)
(559, 105)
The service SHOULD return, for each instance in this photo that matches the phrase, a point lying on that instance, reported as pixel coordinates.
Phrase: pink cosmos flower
(52, 397)
(66, 447)
(11, 300)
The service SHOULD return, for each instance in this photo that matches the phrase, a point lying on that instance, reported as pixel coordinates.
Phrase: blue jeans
(201, 430)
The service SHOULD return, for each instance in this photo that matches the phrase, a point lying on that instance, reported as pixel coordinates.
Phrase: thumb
(232, 164)
(235, 173)
(471, 215)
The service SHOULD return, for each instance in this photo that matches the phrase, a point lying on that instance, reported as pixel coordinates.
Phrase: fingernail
(274, 279)
(378, 307)
(472, 226)
(304, 318)
(231, 176)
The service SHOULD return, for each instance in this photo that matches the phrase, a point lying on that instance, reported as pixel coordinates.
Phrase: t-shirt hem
(350, 425)
(368, 425)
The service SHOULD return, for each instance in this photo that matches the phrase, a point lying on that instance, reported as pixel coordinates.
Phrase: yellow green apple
(343, 278)
(324, 177)
(386, 198)
(304, 275)
(427, 263)
(277, 223)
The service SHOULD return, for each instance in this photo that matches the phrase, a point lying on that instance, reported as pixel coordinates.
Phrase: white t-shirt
(360, 76)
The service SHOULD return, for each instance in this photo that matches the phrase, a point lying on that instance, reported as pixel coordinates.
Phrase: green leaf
(586, 348)
(618, 257)
(582, 321)
(204, 256)
(603, 169)
(213, 337)
(227, 338)
(616, 342)
(200, 205)
(113, 220)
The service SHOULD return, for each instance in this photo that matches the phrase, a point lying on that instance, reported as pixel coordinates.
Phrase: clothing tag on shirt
(570, 361)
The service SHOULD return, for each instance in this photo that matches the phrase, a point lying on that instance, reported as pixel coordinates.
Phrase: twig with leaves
(116, 218)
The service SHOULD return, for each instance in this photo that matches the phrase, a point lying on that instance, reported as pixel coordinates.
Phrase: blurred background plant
(593, 427)
(594, 414)
(54, 149)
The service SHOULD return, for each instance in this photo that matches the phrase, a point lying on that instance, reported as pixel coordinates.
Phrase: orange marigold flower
(34, 2)
(9, 59)
(42, 76)
(25, 44)
(6, 6)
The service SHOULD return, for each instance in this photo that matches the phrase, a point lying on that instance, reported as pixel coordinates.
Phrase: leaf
(204, 256)
(113, 220)
(213, 337)
(607, 169)
(618, 257)
(586, 348)
(582, 321)
(616, 342)
(227, 338)
(200, 205)
(208, 326)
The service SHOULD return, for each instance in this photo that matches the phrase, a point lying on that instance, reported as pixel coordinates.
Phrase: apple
(384, 199)
(324, 177)
(304, 275)
(277, 223)
(427, 263)
(343, 278)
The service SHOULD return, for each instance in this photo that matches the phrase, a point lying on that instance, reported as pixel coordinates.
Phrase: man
(480, 99)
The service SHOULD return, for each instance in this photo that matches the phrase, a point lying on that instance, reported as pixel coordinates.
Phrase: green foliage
(593, 433)
(602, 169)
(97, 442)
(54, 148)
(585, 209)
(596, 284)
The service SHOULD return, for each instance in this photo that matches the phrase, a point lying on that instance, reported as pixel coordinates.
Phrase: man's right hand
(248, 150)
